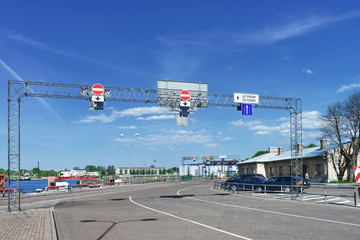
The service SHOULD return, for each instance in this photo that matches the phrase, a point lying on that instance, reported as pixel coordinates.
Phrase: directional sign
(246, 98)
(246, 109)
(97, 98)
(357, 174)
(185, 95)
(98, 89)
(185, 103)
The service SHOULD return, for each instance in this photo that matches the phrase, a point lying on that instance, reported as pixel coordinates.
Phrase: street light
(128, 138)
(176, 151)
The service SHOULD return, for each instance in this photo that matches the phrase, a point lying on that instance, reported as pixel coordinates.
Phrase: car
(224, 184)
(246, 182)
(285, 184)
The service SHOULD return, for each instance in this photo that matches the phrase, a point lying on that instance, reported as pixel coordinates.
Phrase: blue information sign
(246, 109)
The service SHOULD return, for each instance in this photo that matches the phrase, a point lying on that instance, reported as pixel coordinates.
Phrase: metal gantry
(19, 89)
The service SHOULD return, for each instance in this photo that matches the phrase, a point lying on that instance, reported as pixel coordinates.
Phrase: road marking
(312, 198)
(188, 220)
(329, 200)
(267, 211)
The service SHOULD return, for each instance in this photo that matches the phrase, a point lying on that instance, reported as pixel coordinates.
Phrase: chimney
(323, 144)
(278, 150)
(300, 147)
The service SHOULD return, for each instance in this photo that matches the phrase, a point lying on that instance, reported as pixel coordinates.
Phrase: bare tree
(341, 124)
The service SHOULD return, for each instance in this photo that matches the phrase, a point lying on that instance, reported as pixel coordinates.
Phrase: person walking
(306, 176)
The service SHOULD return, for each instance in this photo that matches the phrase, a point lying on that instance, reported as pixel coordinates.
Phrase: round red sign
(98, 89)
(184, 95)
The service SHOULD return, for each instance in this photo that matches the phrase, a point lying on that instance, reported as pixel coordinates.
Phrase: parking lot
(197, 211)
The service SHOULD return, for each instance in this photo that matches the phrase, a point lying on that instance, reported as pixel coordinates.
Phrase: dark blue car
(246, 182)
(284, 184)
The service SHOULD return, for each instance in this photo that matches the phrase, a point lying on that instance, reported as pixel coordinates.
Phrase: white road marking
(267, 211)
(311, 198)
(188, 220)
(329, 200)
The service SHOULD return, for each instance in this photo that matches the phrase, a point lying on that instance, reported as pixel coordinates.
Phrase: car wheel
(233, 188)
(259, 189)
(287, 189)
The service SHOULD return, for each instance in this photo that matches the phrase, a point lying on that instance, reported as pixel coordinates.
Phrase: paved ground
(195, 211)
(177, 211)
(28, 224)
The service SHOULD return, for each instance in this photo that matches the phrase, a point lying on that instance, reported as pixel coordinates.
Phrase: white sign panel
(97, 98)
(246, 98)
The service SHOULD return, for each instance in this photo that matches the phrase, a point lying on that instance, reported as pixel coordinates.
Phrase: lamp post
(176, 156)
(129, 139)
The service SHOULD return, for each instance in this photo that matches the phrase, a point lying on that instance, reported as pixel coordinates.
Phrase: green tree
(259, 153)
(110, 170)
(35, 171)
(311, 145)
(102, 170)
(91, 168)
(2, 171)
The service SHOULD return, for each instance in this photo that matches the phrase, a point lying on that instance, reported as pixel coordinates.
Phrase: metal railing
(297, 192)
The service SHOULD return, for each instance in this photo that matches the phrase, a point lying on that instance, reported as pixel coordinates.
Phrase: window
(247, 170)
(318, 169)
(121, 172)
(252, 170)
(281, 171)
(243, 171)
(271, 171)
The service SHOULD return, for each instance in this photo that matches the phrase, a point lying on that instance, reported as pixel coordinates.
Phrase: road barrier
(296, 191)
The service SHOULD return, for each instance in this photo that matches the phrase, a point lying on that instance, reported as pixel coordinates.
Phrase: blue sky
(303, 49)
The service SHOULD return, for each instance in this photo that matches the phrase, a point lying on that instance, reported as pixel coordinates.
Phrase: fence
(296, 192)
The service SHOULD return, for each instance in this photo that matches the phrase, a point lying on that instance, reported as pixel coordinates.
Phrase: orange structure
(2, 183)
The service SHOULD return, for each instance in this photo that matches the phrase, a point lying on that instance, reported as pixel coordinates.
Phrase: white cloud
(225, 139)
(310, 125)
(131, 112)
(306, 70)
(262, 132)
(173, 137)
(156, 117)
(219, 40)
(210, 145)
(345, 88)
(41, 100)
(127, 127)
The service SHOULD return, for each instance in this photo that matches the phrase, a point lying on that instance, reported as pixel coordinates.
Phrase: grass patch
(342, 181)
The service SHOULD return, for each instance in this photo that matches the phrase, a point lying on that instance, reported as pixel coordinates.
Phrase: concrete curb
(53, 225)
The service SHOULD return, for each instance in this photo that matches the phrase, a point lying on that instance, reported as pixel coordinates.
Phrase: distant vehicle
(246, 182)
(285, 184)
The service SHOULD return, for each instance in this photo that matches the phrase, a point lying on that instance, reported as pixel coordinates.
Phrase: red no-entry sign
(98, 89)
(184, 95)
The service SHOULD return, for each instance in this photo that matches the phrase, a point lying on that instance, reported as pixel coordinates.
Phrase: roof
(307, 153)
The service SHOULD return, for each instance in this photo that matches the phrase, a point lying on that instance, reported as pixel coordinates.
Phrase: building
(317, 161)
(123, 171)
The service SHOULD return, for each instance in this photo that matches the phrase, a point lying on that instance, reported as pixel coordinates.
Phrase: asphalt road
(195, 211)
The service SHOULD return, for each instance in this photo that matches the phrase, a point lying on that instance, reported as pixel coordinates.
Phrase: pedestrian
(306, 176)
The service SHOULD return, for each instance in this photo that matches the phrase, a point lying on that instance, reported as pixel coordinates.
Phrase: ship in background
(77, 174)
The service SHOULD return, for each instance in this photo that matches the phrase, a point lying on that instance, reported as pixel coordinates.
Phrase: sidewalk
(27, 224)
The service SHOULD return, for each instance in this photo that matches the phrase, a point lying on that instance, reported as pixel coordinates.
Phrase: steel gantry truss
(19, 89)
